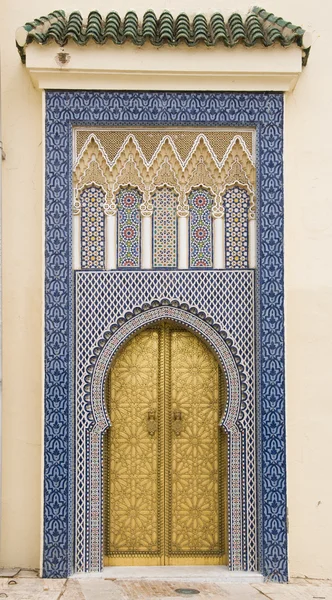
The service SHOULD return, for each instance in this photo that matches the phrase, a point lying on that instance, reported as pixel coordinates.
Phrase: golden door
(165, 453)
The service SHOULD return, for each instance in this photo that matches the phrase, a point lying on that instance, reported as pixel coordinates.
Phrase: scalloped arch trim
(127, 326)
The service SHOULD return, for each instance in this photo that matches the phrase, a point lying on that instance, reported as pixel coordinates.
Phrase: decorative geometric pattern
(134, 496)
(164, 443)
(164, 228)
(264, 111)
(110, 297)
(236, 202)
(92, 228)
(128, 201)
(195, 490)
(200, 205)
(195, 166)
(216, 143)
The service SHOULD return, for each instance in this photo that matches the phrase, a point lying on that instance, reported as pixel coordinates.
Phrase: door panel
(193, 483)
(135, 511)
(165, 477)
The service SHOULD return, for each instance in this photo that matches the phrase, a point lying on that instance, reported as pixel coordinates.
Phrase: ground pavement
(26, 585)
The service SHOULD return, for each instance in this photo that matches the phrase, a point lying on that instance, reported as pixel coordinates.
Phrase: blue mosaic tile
(261, 110)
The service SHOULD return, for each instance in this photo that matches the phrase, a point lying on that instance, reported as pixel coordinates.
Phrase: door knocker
(152, 424)
(177, 422)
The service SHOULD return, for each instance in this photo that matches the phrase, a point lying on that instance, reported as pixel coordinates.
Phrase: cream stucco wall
(308, 241)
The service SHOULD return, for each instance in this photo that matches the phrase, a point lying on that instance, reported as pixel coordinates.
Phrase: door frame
(63, 110)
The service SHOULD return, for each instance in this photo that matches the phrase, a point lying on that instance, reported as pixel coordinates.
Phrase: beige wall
(308, 236)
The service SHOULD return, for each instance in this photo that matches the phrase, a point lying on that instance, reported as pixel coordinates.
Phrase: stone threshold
(220, 574)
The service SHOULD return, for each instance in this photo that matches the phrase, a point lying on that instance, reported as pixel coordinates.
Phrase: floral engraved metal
(194, 493)
(165, 495)
(133, 494)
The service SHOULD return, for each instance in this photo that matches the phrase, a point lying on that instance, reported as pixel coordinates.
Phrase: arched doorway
(165, 463)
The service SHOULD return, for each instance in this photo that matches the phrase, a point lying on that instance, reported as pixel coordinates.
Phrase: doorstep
(216, 573)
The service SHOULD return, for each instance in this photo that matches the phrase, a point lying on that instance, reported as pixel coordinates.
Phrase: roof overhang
(261, 52)
(110, 67)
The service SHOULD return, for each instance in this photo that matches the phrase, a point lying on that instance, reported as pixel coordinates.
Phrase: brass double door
(165, 453)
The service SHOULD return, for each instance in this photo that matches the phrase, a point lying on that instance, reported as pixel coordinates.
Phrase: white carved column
(110, 236)
(146, 231)
(252, 246)
(183, 238)
(76, 235)
(146, 261)
(218, 216)
(252, 234)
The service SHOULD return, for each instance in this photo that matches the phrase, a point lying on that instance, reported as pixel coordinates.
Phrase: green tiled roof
(258, 27)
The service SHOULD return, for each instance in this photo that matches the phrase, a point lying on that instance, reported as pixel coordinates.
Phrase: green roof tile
(259, 27)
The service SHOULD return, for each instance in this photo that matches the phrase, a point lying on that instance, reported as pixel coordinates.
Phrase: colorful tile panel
(236, 202)
(128, 201)
(92, 228)
(200, 204)
(164, 228)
